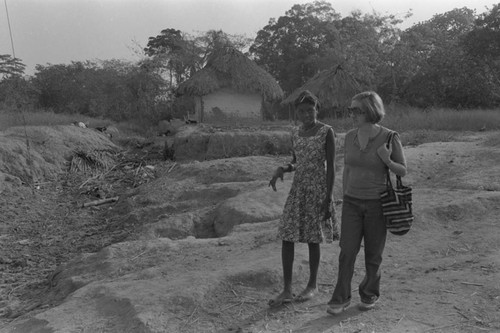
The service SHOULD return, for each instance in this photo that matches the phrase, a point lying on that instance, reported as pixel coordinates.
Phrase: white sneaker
(367, 306)
(335, 309)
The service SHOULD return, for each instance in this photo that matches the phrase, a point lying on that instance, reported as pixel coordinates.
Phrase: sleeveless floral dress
(302, 220)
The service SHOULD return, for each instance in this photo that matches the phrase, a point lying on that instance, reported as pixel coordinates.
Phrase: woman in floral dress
(308, 213)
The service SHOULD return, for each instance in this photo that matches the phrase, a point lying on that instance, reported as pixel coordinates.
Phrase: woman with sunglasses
(367, 158)
(308, 213)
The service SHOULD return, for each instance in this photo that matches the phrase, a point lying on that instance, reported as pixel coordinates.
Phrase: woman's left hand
(277, 174)
(326, 207)
(385, 153)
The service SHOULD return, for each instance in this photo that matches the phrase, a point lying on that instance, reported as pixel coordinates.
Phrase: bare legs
(314, 257)
(287, 258)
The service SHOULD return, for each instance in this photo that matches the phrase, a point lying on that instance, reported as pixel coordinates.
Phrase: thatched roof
(229, 68)
(334, 87)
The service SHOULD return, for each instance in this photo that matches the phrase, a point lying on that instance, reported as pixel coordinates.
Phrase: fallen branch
(231, 306)
(88, 180)
(100, 202)
(137, 256)
(472, 284)
(100, 175)
(190, 316)
(440, 327)
(449, 291)
(477, 327)
(172, 167)
(460, 312)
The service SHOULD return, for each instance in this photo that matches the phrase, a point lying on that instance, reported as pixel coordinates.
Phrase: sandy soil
(135, 265)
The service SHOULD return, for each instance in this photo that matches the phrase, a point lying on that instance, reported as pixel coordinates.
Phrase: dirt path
(441, 277)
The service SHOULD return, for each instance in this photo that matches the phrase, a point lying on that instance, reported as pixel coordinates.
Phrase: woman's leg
(374, 241)
(287, 257)
(312, 286)
(314, 258)
(350, 241)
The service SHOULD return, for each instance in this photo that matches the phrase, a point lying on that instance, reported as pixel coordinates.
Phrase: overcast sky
(61, 31)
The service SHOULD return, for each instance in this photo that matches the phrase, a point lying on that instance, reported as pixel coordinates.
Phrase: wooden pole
(99, 202)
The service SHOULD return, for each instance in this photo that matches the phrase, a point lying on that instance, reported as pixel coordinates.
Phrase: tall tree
(482, 43)
(182, 54)
(430, 66)
(313, 37)
(291, 47)
(113, 89)
(175, 52)
(10, 66)
(366, 42)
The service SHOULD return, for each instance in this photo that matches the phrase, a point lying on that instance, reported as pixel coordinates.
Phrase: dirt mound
(38, 153)
(200, 143)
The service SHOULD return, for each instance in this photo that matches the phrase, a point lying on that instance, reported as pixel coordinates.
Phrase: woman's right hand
(277, 174)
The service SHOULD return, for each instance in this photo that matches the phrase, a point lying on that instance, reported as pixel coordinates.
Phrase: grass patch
(48, 118)
(405, 119)
(418, 126)
(44, 118)
(415, 125)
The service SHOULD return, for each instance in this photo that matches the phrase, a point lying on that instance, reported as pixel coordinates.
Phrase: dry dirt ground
(191, 246)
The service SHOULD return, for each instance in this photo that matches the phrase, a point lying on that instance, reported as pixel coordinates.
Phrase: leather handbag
(397, 204)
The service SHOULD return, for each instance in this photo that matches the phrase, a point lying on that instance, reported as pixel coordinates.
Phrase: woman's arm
(330, 163)
(394, 157)
(330, 173)
(290, 167)
(280, 171)
(345, 174)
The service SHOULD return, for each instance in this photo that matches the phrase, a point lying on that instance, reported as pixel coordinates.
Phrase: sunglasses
(355, 110)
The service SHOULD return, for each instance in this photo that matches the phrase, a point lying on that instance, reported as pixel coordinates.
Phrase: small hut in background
(230, 87)
(334, 87)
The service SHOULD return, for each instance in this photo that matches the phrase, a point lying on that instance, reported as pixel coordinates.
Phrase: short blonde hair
(372, 104)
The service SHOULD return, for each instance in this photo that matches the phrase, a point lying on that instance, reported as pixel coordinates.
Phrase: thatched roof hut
(230, 77)
(334, 87)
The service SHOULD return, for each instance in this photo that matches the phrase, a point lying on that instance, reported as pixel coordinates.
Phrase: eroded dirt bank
(197, 253)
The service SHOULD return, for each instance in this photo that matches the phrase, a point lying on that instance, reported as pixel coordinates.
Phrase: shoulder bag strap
(399, 182)
(388, 172)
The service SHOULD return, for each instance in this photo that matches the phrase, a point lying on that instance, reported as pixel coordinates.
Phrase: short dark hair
(372, 104)
(307, 97)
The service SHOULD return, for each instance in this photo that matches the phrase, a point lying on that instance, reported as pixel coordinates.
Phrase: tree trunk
(202, 110)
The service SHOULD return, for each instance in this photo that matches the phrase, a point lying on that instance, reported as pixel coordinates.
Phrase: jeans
(361, 219)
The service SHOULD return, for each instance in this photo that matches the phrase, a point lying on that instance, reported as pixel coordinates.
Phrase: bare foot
(307, 294)
(284, 297)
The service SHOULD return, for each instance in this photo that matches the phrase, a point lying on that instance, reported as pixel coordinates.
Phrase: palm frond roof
(229, 68)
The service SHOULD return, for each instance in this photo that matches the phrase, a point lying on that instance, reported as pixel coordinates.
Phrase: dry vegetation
(415, 122)
(42, 247)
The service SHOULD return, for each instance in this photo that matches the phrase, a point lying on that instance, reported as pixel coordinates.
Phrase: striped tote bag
(397, 205)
